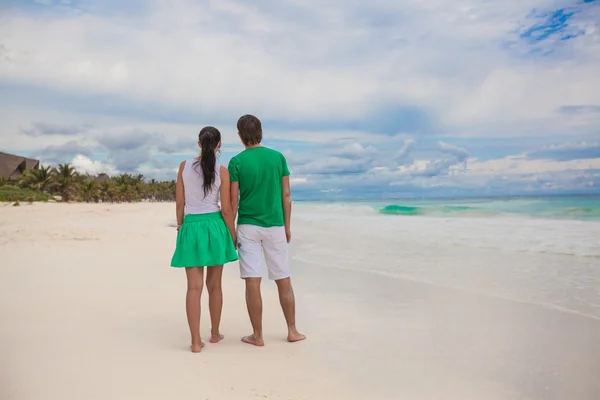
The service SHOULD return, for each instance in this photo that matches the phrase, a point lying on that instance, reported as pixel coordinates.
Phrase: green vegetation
(38, 179)
(45, 183)
(14, 193)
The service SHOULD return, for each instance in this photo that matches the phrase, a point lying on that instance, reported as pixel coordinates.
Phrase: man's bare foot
(295, 337)
(253, 341)
(216, 338)
(197, 348)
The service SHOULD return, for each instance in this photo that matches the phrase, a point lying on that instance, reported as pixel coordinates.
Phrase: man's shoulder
(249, 157)
(238, 155)
(273, 152)
(235, 159)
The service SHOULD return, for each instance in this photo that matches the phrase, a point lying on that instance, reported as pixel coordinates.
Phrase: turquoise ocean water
(578, 207)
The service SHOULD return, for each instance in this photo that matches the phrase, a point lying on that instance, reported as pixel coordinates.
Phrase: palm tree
(166, 191)
(89, 191)
(121, 179)
(71, 185)
(66, 180)
(131, 187)
(107, 189)
(127, 193)
(139, 186)
(152, 189)
(38, 179)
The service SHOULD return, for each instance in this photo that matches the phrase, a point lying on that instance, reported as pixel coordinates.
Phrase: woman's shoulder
(189, 161)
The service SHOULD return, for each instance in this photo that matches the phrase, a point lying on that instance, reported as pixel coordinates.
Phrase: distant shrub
(10, 193)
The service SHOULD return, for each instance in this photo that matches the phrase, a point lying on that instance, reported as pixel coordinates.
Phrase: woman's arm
(179, 196)
(226, 209)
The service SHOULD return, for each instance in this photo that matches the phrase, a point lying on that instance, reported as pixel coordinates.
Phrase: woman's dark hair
(250, 130)
(209, 138)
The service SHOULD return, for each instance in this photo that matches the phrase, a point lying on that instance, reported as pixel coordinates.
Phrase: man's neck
(253, 146)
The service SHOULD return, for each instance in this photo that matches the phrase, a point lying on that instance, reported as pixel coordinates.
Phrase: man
(260, 186)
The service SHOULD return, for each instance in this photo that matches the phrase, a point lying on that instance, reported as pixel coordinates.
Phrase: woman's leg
(195, 282)
(215, 300)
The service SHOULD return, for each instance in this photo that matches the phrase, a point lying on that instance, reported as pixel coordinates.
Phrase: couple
(256, 187)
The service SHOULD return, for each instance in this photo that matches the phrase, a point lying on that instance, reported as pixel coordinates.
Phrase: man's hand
(288, 234)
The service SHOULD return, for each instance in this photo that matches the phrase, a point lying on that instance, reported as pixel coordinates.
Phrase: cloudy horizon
(366, 100)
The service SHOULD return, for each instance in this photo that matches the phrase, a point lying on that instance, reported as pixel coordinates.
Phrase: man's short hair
(250, 130)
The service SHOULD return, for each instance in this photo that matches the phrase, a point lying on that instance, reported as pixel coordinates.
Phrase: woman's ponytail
(209, 138)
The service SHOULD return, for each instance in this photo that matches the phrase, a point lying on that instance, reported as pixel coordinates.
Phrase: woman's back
(205, 234)
(195, 200)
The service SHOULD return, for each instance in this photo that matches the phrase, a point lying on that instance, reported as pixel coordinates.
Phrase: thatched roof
(12, 166)
(102, 177)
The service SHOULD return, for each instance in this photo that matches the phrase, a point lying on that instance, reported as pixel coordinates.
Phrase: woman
(206, 233)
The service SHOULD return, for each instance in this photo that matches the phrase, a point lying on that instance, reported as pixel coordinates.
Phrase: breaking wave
(395, 209)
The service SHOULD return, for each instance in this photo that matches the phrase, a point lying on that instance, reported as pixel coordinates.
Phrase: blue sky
(366, 99)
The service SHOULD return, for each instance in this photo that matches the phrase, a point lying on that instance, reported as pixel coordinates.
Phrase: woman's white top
(193, 179)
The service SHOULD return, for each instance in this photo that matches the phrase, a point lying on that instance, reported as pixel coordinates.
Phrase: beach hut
(12, 166)
(102, 177)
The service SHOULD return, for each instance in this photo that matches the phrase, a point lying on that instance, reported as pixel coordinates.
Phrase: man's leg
(276, 255)
(250, 255)
(288, 305)
(254, 304)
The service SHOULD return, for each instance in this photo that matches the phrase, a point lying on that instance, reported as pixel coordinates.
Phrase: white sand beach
(393, 307)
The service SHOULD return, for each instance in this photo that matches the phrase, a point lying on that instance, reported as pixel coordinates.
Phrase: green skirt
(203, 241)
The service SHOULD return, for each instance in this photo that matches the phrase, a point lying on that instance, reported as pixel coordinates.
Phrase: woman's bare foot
(253, 341)
(216, 338)
(197, 348)
(295, 337)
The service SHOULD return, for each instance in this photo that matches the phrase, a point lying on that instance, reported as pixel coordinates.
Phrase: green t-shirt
(259, 171)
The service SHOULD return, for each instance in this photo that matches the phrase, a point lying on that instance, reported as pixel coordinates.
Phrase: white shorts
(254, 242)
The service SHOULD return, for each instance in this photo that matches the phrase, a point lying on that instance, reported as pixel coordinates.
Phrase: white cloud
(567, 151)
(519, 165)
(306, 60)
(163, 173)
(406, 149)
(85, 165)
(460, 153)
(88, 78)
(298, 181)
(354, 150)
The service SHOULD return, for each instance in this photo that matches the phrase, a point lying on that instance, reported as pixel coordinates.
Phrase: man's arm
(235, 198)
(179, 196)
(286, 198)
